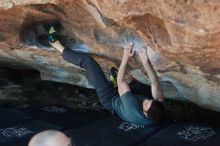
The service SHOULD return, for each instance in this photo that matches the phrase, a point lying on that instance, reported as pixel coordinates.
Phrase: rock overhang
(182, 40)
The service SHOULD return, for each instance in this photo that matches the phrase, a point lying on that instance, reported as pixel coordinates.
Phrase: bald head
(50, 138)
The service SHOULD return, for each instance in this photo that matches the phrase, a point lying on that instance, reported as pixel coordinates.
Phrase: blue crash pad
(63, 116)
(12, 117)
(112, 131)
(24, 131)
(186, 134)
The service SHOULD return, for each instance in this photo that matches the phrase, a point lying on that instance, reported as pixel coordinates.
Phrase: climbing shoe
(113, 77)
(53, 35)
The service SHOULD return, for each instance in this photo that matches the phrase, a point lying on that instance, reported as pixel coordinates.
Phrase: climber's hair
(156, 111)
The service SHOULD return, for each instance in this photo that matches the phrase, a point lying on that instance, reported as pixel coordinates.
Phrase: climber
(119, 101)
(50, 138)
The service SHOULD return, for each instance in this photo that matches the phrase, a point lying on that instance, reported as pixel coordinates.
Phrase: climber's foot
(113, 77)
(53, 35)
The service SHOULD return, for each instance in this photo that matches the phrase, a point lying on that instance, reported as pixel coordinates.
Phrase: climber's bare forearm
(121, 71)
(157, 91)
(150, 71)
(122, 85)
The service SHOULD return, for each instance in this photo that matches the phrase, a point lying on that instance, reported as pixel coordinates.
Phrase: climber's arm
(156, 89)
(122, 84)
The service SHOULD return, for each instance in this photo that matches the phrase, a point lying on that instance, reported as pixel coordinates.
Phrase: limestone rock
(182, 37)
(6, 4)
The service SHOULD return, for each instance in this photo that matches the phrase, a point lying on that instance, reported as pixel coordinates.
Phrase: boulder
(182, 37)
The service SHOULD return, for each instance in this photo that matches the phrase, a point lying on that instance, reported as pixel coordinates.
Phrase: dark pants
(98, 79)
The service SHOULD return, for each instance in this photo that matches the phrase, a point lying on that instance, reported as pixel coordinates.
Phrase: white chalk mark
(194, 134)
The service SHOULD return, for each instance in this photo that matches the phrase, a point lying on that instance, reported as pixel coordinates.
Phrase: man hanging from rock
(120, 101)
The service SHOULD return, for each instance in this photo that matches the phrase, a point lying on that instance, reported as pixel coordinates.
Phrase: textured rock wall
(182, 37)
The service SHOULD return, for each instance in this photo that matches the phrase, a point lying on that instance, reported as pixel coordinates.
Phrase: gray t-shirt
(129, 108)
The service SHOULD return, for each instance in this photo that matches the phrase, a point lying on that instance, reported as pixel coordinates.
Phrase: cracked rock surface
(182, 37)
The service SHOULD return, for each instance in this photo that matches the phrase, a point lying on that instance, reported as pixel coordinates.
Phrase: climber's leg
(96, 76)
